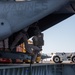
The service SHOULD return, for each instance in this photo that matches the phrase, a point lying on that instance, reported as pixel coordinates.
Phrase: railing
(37, 69)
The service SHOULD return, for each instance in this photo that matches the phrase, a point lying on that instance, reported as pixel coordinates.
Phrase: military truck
(59, 57)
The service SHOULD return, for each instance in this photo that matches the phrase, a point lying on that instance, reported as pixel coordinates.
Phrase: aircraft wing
(57, 16)
(15, 16)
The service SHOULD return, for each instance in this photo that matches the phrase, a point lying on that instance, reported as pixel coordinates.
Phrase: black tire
(56, 59)
(37, 62)
(73, 59)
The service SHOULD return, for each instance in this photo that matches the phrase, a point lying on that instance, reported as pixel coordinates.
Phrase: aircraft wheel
(56, 59)
(73, 59)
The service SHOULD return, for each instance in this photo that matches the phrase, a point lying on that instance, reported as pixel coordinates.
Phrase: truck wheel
(56, 59)
(73, 59)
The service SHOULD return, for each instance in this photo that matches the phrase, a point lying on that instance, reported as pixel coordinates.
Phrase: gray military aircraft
(16, 16)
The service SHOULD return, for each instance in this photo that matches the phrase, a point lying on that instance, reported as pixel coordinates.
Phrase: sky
(60, 37)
